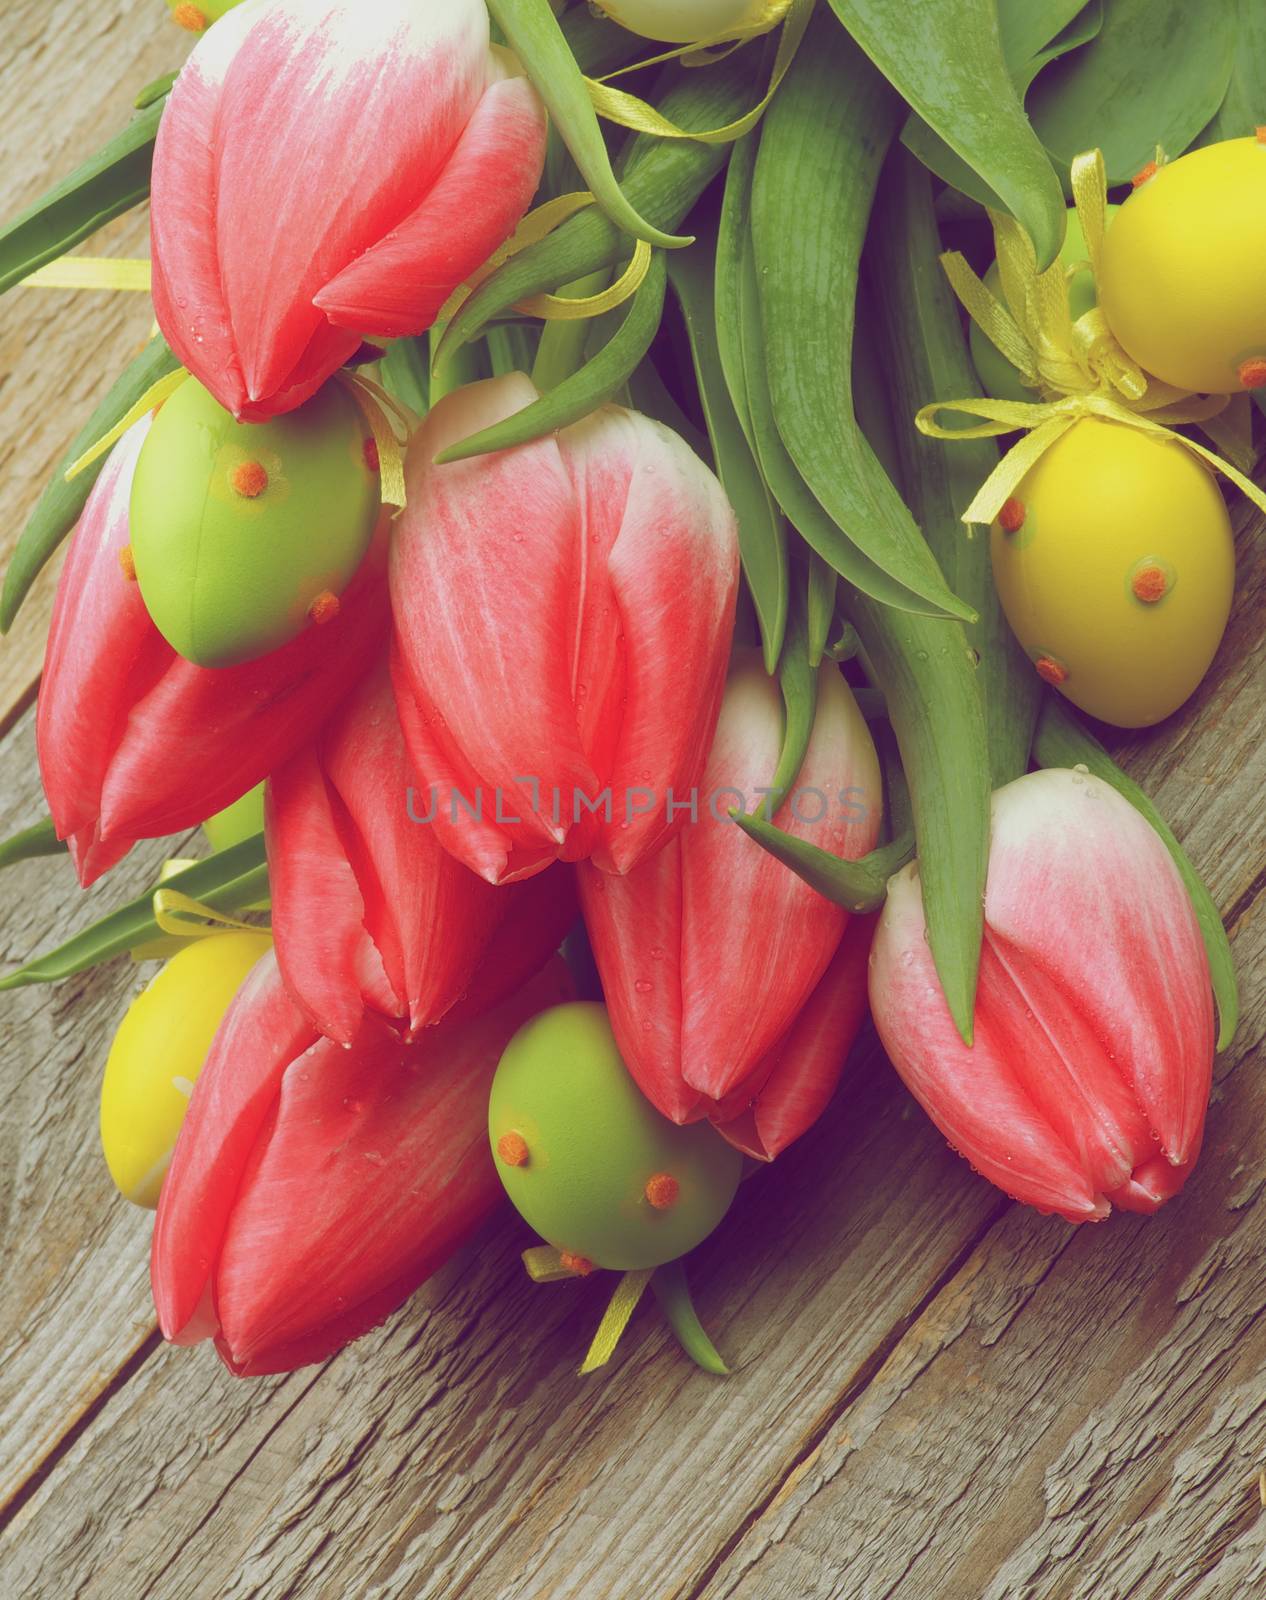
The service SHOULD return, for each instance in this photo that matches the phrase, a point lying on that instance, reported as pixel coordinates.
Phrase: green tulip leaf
(671, 1290)
(1156, 75)
(762, 531)
(1063, 742)
(820, 616)
(232, 880)
(31, 844)
(113, 181)
(598, 381)
(947, 63)
(821, 149)
(663, 177)
(531, 30)
(59, 507)
(1243, 107)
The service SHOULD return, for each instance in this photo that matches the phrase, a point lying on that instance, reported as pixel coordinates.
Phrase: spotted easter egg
(1181, 280)
(1115, 566)
(685, 21)
(199, 17)
(244, 534)
(588, 1161)
(997, 375)
(158, 1053)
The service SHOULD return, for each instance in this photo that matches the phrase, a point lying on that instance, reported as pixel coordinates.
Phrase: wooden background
(937, 1395)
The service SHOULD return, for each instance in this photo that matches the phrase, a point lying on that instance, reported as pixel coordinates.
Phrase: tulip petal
(802, 1072)
(262, 1034)
(483, 578)
(375, 1168)
(673, 572)
(297, 137)
(1083, 886)
(201, 737)
(399, 284)
(977, 1095)
(102, 650)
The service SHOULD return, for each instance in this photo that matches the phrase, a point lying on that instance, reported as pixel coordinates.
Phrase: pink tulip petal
(483, 576)
(672, 569)
(634, 926)
(979, 1097)
(232, 1102)
(538, 915)
(1084, 887)
(400, 283)
(324, 953)
(799, 1077)
(290, 146)
(374, 1170)
(201, 737)
(100, 644)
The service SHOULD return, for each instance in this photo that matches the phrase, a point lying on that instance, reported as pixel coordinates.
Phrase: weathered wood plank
(69, 73)
(1078, 1414)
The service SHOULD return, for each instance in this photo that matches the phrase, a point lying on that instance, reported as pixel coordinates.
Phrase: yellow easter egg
(158, 1053)
(1181, 277)
(685, 21)
(1115, 565)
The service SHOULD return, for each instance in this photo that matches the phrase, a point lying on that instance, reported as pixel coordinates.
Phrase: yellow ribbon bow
(1076, 366)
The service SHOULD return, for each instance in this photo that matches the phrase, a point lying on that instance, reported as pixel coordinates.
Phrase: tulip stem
(673, 1293)
(459, 367)
(40, 840)
(562, 348)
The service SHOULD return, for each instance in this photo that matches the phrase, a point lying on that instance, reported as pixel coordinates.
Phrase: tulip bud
(327, 171)
(135, 742)
(1089, 1077)
(563, 615)
(158, 1054)
(710, 951)
(314, 1187)
(589, 1163)
(369, 908)
(242, 534)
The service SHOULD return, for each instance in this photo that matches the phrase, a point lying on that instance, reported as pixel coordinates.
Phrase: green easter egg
(243, 533)
(236, 823)
(997, 376)
(588, 1161)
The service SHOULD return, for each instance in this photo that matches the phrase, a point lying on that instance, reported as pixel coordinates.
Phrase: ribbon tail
(153, 397)
(1012, 469)
(622, 1305)
(544, 1264)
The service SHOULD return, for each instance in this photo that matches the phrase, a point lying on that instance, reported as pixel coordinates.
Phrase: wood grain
(936, 1395)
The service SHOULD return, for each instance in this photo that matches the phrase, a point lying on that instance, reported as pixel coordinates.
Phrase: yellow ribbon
(536, 226)
(1077, 367)
(181, 920)
(153, 396)
(392, 426)
(629, 112)
(91, 272)
(545, 1265)
(615, 1319)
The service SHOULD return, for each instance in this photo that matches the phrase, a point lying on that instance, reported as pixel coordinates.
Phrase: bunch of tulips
(556, 698)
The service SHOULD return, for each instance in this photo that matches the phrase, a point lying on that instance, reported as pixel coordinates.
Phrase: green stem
(673, 1293)
(562, 348)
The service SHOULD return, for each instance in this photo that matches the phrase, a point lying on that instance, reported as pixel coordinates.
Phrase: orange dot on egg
(1011, 517)
(372, 459)
(1051, 671)
(512, 1147)
(1253, 373)
(190, 17)
(663, 1191)
(1150, 584)
(249, 479)
(324, 608)
(1143, 174)
(580, 1265)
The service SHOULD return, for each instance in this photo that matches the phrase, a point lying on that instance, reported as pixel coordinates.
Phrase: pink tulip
(326, 171)
(563, 621)
(315, 1187)
(797, 1079)
(134, 741)
(1089, 1078)
(710, 952)
(368, 907)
